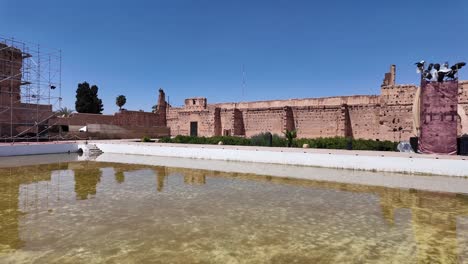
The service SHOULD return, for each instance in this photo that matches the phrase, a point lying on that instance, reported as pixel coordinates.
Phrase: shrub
(146, 139)
(165, 140)
(290, 136)
(227, 140)
(342, 143)
(262, 140)
(278, 141)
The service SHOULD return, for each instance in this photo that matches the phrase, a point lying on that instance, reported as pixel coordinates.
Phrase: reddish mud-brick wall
(439, 103)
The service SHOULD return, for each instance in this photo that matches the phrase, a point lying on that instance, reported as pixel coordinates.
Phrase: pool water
(95, 212)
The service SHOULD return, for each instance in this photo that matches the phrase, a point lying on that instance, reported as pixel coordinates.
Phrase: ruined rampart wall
(22, 118)
(387, 116)
(364, 121)
(463, 108)
(227, 121)
(262, 120)
(138, 118)
(318, 121)
(124, 118)
(173, 120)
(181, 125)
(123, 124)
(396, 112)
(326, 101)
(463, 92)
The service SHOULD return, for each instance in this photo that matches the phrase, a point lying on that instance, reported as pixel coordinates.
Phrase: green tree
(120, 101)
(64, 112)
(154, 108)
(290, 136)
(87, 100)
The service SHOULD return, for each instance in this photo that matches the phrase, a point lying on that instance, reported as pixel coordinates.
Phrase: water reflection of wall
(87, 177)
(195, 177)
(10, 181)
(119, 176)
(434, 221)
(433, 215)
(161, 175)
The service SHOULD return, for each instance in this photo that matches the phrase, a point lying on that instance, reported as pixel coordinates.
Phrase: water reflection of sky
(88, 211)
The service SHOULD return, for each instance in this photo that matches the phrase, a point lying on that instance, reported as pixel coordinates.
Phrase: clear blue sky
(290, 49)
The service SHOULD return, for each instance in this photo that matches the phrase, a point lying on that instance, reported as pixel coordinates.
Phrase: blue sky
(289, 49)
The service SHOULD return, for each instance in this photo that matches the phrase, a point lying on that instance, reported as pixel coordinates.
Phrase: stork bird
(444, 70)
(420, 66)
(454, 69)
(427, 73)
(459, 65)
(429, 68)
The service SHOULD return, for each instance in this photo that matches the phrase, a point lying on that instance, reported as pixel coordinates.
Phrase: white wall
(449, 167)
(34, 149)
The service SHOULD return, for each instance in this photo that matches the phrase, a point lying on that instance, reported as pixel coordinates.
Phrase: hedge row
(278, 141)
(227, 140)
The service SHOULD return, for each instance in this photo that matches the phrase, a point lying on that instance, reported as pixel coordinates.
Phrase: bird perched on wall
(436, 72)
(442, 72)
(454, 70)
(427, 73)
(420, 66)
(429, 68)
(459, 65)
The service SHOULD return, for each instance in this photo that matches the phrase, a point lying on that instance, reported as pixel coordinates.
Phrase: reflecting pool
(96, 212)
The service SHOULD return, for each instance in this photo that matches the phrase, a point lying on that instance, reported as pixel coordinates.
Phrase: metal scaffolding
(30, 89)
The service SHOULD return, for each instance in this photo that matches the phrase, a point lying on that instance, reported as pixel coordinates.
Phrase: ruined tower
(11, 61)
(389, 78)
(162, 107)
(439, 117)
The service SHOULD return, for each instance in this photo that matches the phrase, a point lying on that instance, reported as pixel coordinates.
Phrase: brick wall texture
(388, 116)
(438, 117)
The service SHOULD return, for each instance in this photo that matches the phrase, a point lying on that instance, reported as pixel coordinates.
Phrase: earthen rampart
(387, 116)
(326, 101)
(123, 124)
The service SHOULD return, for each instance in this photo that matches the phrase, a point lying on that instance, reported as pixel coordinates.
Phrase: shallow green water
(89, 212)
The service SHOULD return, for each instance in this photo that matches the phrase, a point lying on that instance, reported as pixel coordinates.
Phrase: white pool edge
(38, 149)
(446, 167)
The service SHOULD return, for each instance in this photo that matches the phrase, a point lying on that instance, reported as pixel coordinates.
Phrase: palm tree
(64, 112)
(290, 136)
(120, 101)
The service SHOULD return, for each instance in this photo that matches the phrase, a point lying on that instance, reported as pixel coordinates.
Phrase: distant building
(123, 124)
